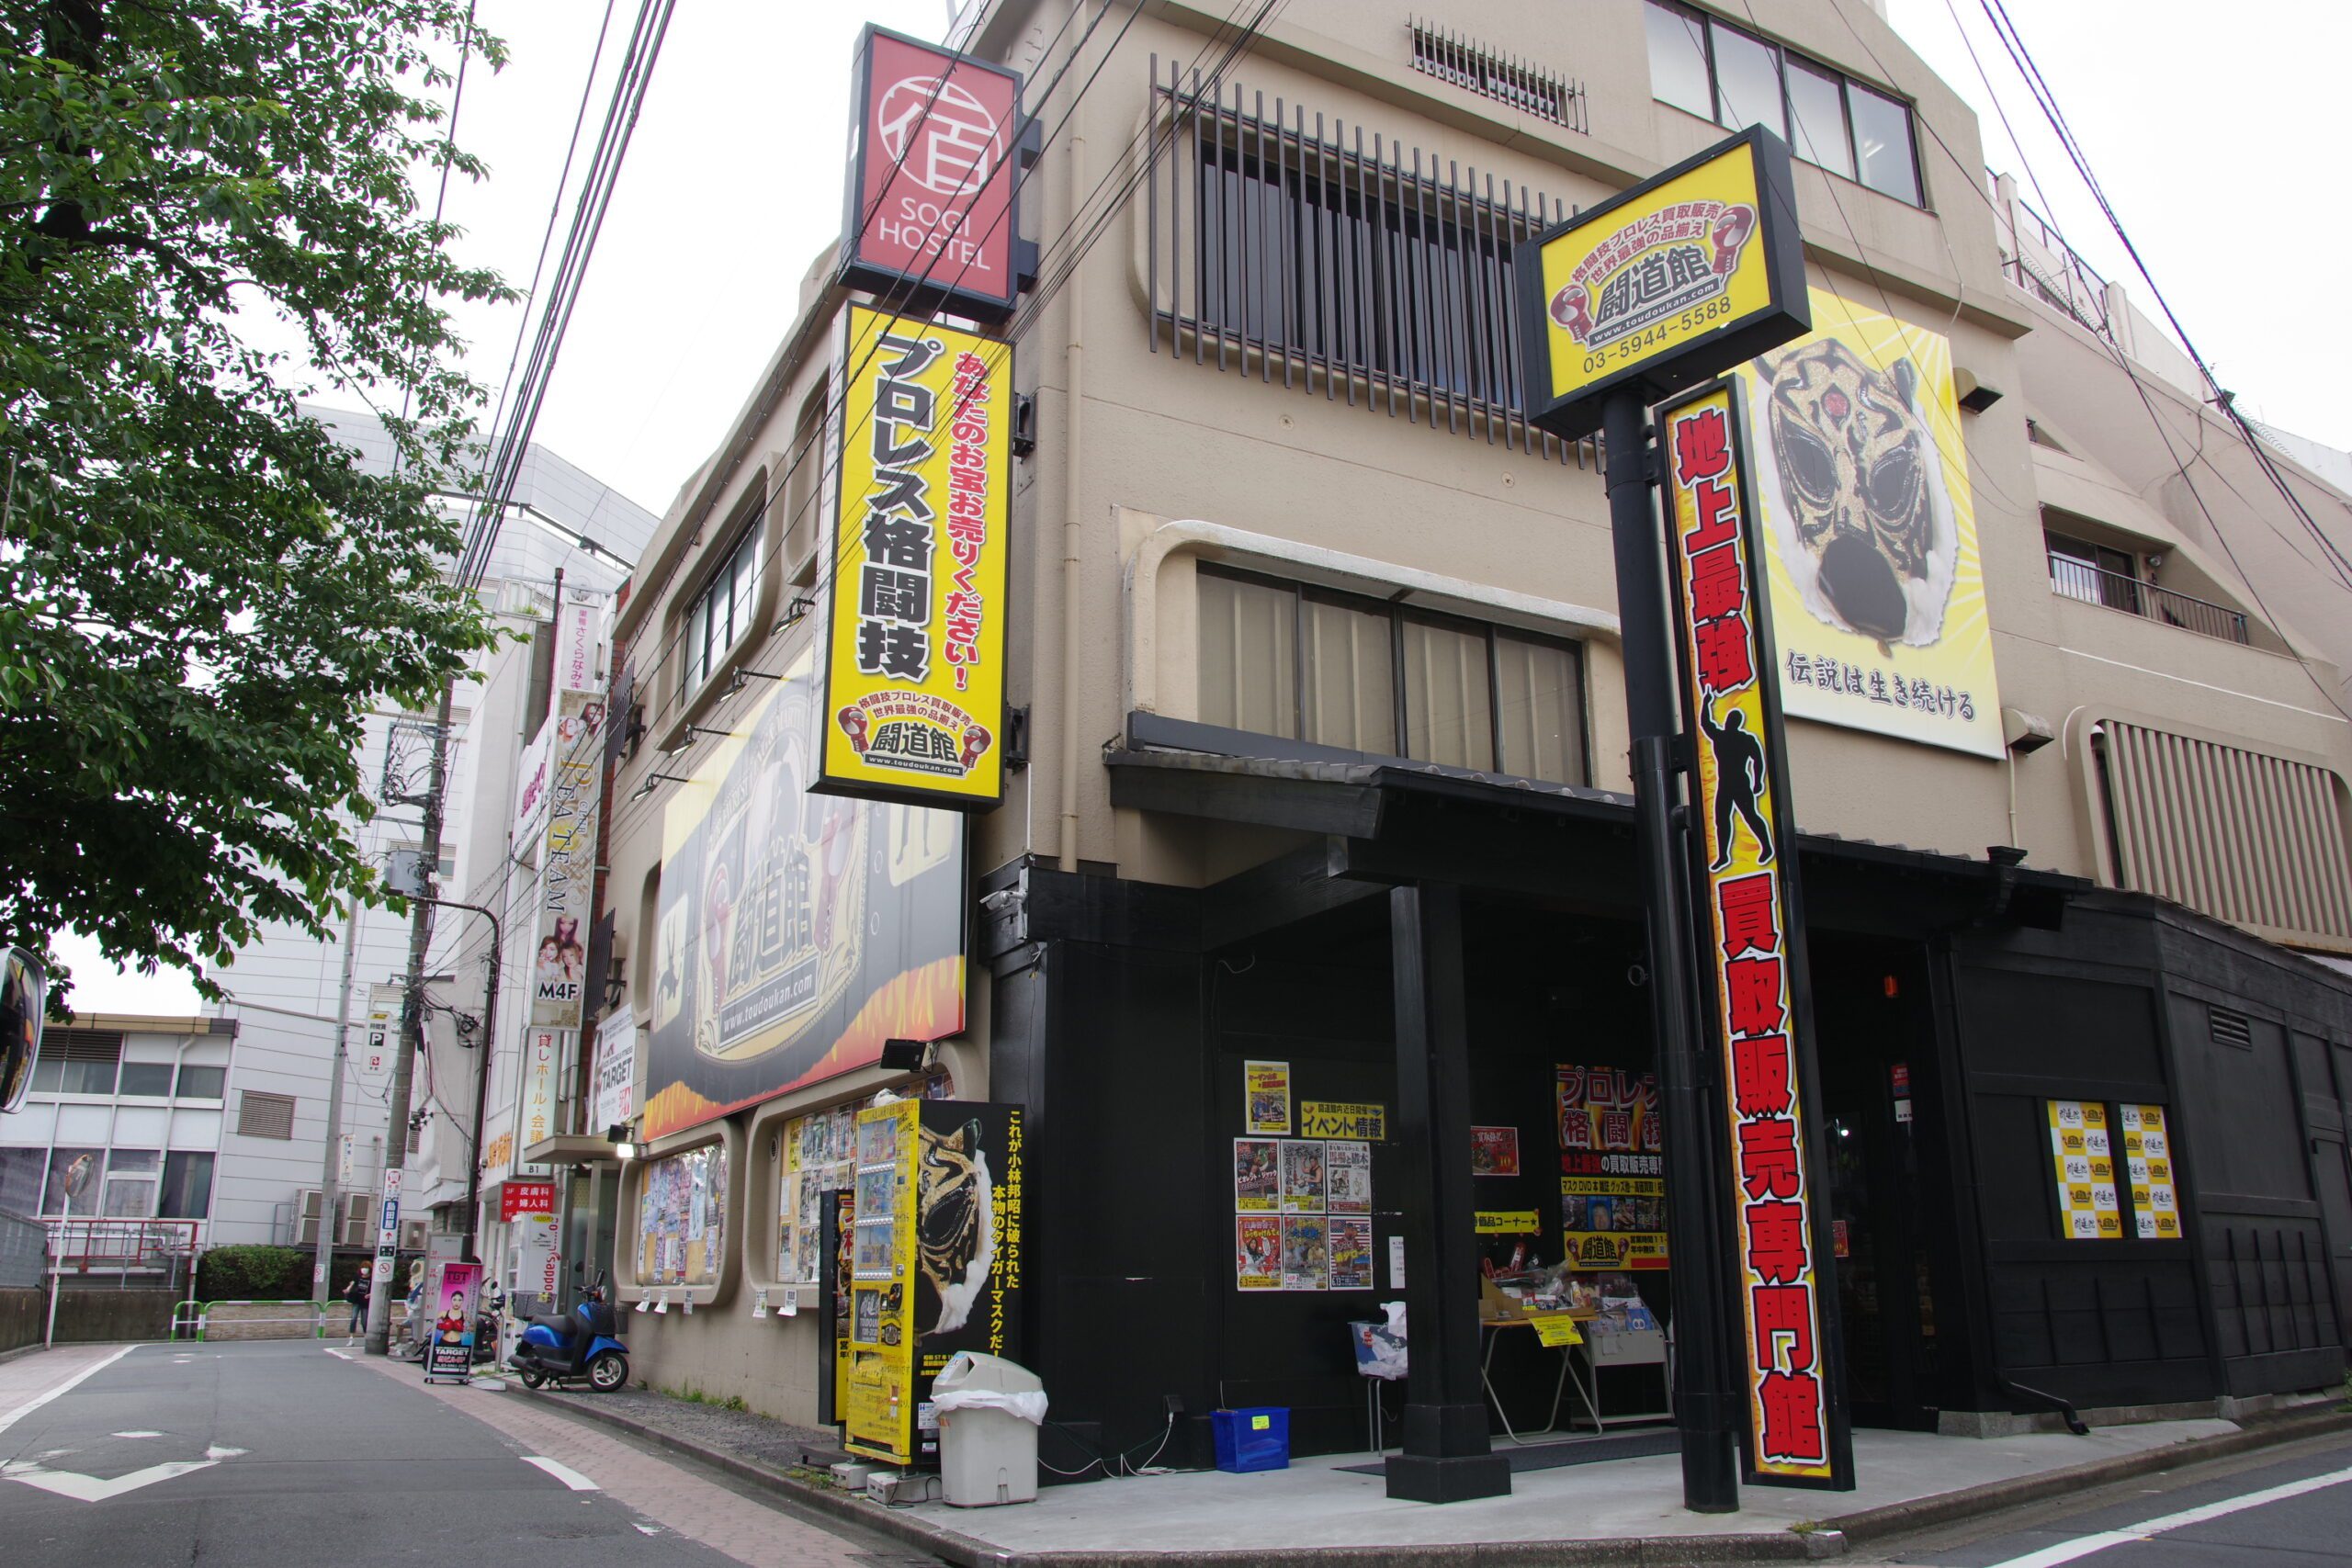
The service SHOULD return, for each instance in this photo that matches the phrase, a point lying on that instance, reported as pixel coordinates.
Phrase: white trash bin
(989, 1410)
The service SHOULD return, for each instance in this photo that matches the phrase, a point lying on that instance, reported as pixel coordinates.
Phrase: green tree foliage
(200, 597)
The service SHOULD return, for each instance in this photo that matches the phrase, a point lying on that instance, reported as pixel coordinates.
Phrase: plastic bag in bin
(1380, 1347)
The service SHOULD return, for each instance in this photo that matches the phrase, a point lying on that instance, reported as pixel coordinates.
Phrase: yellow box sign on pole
(914, 679)
(1665, 285)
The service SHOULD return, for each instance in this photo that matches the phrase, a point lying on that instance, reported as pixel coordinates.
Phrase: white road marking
(562, 1473)
(2148, 1529)
(90, 1488)
(93, 1369)
(648, 1529)
(135, 1434)
(215, 1451)
(341, 1355)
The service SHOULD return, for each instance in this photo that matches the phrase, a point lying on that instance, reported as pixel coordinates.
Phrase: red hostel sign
(1739, 800)
(933, 166)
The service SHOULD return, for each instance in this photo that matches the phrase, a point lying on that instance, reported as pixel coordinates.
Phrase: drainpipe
(1076, 287)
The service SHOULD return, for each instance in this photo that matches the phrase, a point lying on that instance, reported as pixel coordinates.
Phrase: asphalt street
(282, 1453)
(2286, 1507)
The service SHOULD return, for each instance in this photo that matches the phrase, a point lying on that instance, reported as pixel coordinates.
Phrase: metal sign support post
(1710, 1476)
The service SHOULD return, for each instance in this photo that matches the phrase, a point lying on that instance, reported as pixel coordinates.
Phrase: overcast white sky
(2208, 138)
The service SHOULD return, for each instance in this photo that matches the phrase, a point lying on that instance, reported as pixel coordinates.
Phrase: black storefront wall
(2249, 1049)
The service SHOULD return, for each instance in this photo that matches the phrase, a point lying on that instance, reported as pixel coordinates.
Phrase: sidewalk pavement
(1315, 1512)
(33, 1378)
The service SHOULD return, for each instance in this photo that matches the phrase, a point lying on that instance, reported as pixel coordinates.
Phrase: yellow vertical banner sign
(1751, 930)
(914, 676)
(2082, 1155)
(882, 1269)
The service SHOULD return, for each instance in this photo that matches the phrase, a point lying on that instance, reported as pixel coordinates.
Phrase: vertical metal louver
(2253, 839)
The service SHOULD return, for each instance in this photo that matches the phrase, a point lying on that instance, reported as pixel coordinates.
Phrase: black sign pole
(1710, 1477)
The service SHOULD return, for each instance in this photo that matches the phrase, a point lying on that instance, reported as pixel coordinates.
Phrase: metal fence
(23, 1251)
(2121, 590)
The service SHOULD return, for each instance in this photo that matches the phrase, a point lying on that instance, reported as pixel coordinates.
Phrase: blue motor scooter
(586, 1344)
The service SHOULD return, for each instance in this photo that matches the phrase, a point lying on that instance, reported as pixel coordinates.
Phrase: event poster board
(1862, 482)
(682, 1219)
(1612, 1175)
(795, 932)
(937, 1263)
(449, 1353)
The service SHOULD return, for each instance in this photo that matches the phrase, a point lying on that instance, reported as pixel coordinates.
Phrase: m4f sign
(935, 139)
(1675, 280)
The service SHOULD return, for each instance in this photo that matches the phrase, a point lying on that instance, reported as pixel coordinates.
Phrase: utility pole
(420, 936)
(329, 1169)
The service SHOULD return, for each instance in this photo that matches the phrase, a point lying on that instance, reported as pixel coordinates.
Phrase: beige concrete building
(1301, 612)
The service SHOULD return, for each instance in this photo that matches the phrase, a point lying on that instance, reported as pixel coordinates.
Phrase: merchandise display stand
(1493, 1328)
(1604, 1348)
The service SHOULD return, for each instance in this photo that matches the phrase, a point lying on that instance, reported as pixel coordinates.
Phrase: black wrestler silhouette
(1739, 776)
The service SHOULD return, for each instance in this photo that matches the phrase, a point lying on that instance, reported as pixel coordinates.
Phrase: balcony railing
(2121, 590)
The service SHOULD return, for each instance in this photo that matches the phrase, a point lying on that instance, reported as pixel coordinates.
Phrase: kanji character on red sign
(1702, 447)
(1717, 587)
(1724, 662)
(1791, 1403)
(1782, 1318)
(1752, 995)
(1768, 1158)
(1748, 918)
(1776, 1241)
(1718, 515)
(1759, 1075)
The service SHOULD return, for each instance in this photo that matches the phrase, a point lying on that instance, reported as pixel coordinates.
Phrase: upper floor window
(77, 1061)
(1366, 676)
(1712, 69)
(720, 614)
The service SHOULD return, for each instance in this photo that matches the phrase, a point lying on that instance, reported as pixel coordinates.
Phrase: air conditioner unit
(358, 1226)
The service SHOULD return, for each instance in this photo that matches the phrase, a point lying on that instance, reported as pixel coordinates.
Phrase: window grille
(1378, 272)
(2246, 837)
(1487, 72)
(263, 1115)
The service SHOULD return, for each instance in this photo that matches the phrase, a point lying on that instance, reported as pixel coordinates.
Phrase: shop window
(1366, 677)
(1705, 66)
(682, 1219)
(820, 1159)
(187, 1185)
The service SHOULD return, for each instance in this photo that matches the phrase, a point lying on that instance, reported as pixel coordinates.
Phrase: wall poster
(1266, 1094)
(1351, 1249)
(1302, 1187)
(1612, 1173)
(1877, 585)
(2083, 1158)
(1493, 1151)
(1257, 1252)
(795, 932)
(819, 1151)
(1342, 1119)
(1305, 1252)
(1347, 1176)
(2147, 1159)
(1256, 1176)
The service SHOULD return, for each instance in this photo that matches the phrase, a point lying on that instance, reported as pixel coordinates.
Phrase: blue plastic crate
(1255, 1438)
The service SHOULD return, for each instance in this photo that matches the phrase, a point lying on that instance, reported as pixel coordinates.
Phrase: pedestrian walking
(355, 1293)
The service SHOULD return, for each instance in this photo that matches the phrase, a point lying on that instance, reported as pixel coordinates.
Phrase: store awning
(1384, 821)
(571, 1148)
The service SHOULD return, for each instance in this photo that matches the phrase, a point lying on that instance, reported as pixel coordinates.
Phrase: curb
(1832, 1537)
(2269, 1432)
